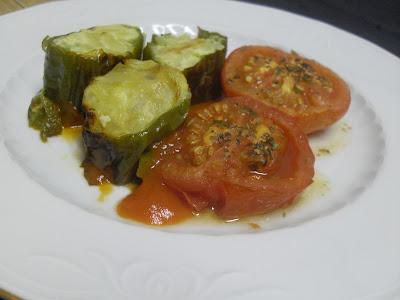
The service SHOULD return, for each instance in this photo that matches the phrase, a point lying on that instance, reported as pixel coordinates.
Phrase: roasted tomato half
(312, 94)
(237, 156)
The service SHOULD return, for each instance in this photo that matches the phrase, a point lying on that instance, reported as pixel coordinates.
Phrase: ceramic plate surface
(342, 241)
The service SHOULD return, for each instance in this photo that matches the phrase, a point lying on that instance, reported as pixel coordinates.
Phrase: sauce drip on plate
(153, 203)
(95, 176)
(71, 134)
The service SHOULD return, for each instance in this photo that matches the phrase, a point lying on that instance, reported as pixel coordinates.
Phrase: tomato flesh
(237, 156)
(312, 94)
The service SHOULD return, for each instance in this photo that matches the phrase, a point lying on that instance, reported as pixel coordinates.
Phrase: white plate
(344, 244)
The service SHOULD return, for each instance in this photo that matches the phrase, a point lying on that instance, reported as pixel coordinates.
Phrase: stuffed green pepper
(200, 59)
(72, 60)
(129, 108)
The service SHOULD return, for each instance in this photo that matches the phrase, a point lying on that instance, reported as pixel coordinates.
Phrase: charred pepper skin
(67, 73)
(204, 76)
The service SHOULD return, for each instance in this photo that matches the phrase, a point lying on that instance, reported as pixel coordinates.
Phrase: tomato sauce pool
(153, 203)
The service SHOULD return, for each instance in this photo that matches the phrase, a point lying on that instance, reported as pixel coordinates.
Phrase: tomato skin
(319, 113)
(294, 175)
(223, 185)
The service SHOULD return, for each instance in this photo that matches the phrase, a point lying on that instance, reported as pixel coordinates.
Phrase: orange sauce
(105, 189)
(70, 116)
(153, 203)
(95, 176)
(72, 121)
(254, 226)
(71, 134)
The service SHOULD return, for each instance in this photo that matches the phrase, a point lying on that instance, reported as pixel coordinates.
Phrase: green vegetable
(44, 115)
(146, 161)
(72, 60)
(200, 59)
(129, 108)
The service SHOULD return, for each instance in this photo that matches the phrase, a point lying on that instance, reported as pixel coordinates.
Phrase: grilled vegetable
(129, 108)
(146, 162)
(200, 59)
(312, 94)
(237, 156)
(44, 115)
(72, 60)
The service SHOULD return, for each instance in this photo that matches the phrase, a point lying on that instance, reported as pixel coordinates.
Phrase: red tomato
(312, 94)
(238, 156)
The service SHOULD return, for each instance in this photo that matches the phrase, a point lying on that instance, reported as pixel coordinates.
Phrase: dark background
(374, 20)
